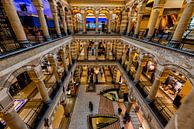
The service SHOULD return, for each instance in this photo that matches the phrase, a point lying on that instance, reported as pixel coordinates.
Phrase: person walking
(91, 106)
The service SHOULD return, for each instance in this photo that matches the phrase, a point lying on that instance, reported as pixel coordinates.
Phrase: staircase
(106, 108)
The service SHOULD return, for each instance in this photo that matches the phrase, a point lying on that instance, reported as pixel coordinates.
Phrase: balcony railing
(163, 37)
(152, 107)
(54, 95)
(35, 45)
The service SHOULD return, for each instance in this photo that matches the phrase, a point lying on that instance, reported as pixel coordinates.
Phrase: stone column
(53, 6)
(130, 104)
(142, 63)
(109, 21)
(15, 23)
(85, 51)
(84, 20)
(70, 54)
(182, 24)
(107, 50)
(124, 55)
(53, 63)
(123, 22)
(156, 83)
(62, 13)
(140, 15)
(39, 8)
(184, 116)
(158, 6)
(130, 60)
(42, 89)
(129, 27)
(97, 15)
(7, 111)
(96, 52)
(36, 76)
(62, 54)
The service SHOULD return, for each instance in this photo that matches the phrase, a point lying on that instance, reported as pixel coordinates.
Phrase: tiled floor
(81, 110)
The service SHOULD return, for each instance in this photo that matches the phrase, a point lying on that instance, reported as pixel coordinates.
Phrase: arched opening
(103, 21)
(27, 99)
(134, 62)
(90, 20)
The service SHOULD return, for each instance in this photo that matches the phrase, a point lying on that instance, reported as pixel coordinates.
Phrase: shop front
(148, 70)
(134, 64)
(176, 87)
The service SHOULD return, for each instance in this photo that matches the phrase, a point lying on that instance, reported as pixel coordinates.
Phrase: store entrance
(176, 87)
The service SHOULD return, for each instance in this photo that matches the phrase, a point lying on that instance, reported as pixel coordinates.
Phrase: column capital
(38, 3)
(6, 102)
(96, 12)
(51, 59)
(143, 59)
(36, 75)
(83, 11)
(159, 71)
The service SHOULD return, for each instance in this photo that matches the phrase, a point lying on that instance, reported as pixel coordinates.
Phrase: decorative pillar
(15, 23)
(53, 63)
(182, 24)
(140, 15)
(124, 55)
(129, 27)
(109, 21)
(96, 52)
(70, 56)
(62, 53)
(115, 69)
(97, 15)
(36, 76)
(156, 84)
(62, 13)
(142, 62)
(130, 104)
(69, 21)
(123, 22)
(7, 111)
(119, 51)
(158, 6)
(107, 50)
(84, 20)
(86, 51)
(53, 6)
(39, 8)
(130, 60)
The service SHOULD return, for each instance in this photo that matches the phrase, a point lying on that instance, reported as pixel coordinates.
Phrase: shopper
(91, 106)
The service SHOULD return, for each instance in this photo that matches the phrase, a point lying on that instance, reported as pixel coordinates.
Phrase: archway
(29, 92)
(104, 20)
(90, 20)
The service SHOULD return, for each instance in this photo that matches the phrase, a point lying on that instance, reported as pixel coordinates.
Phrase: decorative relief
(177, 58)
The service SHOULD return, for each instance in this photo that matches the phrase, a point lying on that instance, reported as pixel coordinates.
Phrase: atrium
(96, 64)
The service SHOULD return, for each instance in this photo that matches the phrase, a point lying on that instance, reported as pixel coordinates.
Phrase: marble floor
(81, 110)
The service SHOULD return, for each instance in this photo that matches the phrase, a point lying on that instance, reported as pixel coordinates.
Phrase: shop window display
(149, 70)
(175, 86)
